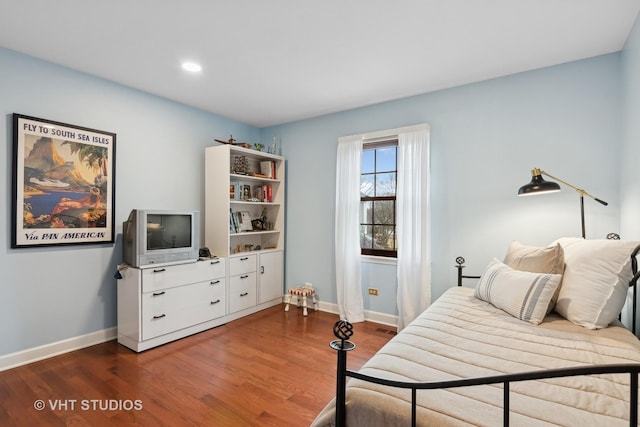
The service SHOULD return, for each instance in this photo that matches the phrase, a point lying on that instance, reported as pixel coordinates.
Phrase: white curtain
(347, 238)
(413, 224)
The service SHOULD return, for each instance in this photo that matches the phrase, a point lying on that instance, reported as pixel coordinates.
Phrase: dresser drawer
(171, 309)
(242, 264)
(183, 274)
(242, 292)
(216, 267)
(217, 297)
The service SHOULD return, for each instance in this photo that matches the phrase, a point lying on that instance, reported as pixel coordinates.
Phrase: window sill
(370, 259)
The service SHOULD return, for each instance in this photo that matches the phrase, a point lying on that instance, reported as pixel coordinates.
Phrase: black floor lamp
(538, 186)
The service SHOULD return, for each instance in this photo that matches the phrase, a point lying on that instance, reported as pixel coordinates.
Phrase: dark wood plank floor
(273, 368)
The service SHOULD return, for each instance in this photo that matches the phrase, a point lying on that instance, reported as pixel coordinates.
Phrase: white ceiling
(271, 62)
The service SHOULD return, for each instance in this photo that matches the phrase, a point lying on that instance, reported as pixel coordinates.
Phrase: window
(378, 198)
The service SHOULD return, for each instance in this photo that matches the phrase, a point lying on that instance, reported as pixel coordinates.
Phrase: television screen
(168, 231)
(160, 237)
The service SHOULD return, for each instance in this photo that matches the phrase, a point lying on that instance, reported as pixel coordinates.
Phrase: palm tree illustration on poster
(63, 183)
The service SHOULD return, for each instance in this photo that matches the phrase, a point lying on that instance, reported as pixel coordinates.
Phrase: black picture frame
(63, 184)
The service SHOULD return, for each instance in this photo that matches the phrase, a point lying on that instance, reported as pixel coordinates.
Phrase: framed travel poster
(63, 184)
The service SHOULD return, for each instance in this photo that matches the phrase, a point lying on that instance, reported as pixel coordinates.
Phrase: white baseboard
(370, 316)
(19, 358)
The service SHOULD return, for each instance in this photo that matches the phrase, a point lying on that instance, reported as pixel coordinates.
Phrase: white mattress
(460, 336)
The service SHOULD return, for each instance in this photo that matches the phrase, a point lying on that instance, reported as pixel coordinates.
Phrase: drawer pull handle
(160, 270)
(160, 317)
(244, 294)
(262, 269)
(244, 258)
(157, 294)
(214, 282)
(215, 262)
(215, 302)
(244, 277)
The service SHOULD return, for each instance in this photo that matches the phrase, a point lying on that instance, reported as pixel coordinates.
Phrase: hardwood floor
(273, 368)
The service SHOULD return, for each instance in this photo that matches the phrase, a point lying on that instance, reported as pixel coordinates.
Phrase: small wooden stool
(304, 292)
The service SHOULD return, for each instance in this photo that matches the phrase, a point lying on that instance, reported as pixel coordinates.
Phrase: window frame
(375, 144)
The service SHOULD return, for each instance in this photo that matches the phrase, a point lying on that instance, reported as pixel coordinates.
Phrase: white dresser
(161, 304)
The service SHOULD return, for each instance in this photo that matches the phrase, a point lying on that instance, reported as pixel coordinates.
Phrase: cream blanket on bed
(460, 336)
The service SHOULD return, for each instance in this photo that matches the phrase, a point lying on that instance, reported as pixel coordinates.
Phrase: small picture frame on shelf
(234, 190)
(258, 194)
(246, 192)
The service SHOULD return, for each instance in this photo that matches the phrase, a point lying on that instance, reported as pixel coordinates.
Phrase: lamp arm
(579, 190)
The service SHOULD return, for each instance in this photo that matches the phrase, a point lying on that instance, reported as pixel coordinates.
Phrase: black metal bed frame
(343, 330)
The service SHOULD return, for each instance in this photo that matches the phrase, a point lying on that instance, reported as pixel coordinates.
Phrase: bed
(495, 354)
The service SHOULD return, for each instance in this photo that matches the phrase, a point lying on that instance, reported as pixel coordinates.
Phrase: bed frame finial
(460, 261)
(343, 330)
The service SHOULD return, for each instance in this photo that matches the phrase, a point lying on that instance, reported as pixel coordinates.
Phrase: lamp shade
(538, 185)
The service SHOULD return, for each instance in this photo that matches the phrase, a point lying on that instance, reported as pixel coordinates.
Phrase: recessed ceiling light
(191, 67)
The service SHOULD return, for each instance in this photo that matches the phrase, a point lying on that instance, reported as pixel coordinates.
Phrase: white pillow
(536, 260)
(522, 294)
(596, 280)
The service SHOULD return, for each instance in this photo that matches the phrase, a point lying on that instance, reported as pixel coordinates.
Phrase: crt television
(160, 237)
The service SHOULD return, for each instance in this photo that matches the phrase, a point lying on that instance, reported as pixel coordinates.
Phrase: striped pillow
(537, 260)
(522, 294)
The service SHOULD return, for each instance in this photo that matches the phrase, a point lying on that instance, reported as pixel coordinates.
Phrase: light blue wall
(51, 294)
(630, 152)
(383, 278)
(486, 137)
(630, 190)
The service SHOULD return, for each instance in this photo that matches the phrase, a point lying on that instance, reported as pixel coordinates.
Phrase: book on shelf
(233, 222)
(244, 221)
(268, 193)
(268, 168)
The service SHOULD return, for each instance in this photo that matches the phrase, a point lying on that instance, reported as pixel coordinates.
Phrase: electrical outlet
(373, 291)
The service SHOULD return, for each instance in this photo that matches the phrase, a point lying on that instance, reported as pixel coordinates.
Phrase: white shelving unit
(255, 251)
